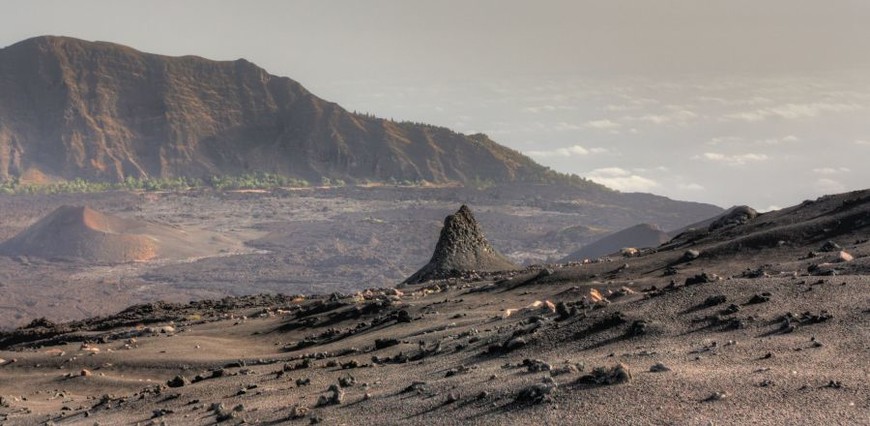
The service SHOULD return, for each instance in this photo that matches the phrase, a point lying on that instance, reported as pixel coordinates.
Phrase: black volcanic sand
(792, 350)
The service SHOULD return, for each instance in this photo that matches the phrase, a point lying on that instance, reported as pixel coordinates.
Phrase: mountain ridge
(71, 108)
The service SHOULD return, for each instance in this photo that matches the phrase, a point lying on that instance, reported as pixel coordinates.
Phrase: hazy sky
(755, 102)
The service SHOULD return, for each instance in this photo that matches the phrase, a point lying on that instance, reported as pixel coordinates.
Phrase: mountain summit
(100, 111)
(462, 247)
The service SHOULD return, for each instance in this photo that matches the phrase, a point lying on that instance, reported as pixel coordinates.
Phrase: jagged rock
(177, 382)
(844, 256)
(637, 328)
(618, 374)
(334, 397)
(731, 309)
(536, 365)
(759, 298)
(830, 246)
(461, 248)
(659, 368)
(715, 300)
(716, 396)
(691, 255)
(385, 343)
(701, 278)
(736, 216)
(537, 393)
(298, 412)
(346, 382)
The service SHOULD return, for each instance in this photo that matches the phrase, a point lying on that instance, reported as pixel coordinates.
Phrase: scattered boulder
(830, 246)
(637, 328)
(385, 343)
(659, 368)
(403, 316)
(508, 346)
(537, 393)
(716, 396)
(715, 300)
(759, 298)
(566, 369)
(347, 381)
(734, 217)
(844, 256)
(690, 255)
(615, 375)
(536, 365)
(731, 309)
(177, 382)
(702, 278)
(298, 412)
(418, 387)
(334, 396)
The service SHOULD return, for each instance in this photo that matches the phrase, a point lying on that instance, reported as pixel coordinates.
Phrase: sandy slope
(793, 350)
(789, 387)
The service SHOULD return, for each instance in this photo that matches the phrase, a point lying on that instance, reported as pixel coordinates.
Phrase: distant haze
(729, 102)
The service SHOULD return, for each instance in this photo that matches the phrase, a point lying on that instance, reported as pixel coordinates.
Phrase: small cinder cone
(461, 248)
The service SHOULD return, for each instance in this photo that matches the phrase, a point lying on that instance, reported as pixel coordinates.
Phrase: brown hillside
(76, 109)
(73, 232)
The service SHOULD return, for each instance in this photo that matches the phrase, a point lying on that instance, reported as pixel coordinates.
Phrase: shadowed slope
(638, 236)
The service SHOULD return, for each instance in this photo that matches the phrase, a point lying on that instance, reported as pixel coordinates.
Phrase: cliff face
(71, 108)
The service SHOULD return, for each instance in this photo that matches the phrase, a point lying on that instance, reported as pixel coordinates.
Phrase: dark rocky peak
(462, 248)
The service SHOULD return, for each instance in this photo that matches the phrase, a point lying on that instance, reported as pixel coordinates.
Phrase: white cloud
(602, 124)
(720, 140)
(829, 186)
(620, 108)
(563, 126)
(734, 140)
(862, 142)
(732, 160)
(571, 151)
(831, 170)
(792, 111)
(778, 141)
(674, 117)
(548, 108)
(622, 180)
(691, 186)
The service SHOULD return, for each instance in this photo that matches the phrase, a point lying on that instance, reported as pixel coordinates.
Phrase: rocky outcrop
(461, 248)
(735, 216)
